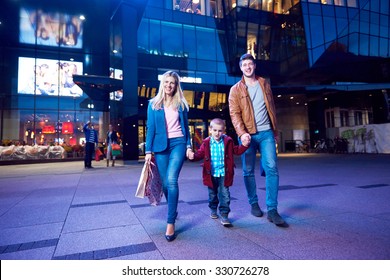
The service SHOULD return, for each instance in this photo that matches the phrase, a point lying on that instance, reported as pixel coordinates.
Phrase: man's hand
(246, 141)
(245, 138)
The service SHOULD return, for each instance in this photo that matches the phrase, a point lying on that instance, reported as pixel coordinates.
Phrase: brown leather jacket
(241, 108)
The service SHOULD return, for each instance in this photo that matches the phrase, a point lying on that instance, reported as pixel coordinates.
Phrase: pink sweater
(172, 122)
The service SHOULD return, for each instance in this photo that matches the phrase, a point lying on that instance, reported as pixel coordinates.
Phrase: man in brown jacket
(253, 115)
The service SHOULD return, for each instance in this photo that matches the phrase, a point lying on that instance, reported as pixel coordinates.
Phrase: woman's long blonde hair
(178, 97)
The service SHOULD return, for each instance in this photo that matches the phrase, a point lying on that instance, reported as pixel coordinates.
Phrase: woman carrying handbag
(168, 137)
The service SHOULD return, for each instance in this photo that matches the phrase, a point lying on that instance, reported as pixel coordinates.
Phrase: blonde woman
(168, 137)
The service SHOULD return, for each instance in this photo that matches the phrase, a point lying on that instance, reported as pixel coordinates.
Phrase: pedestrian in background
(91, 141)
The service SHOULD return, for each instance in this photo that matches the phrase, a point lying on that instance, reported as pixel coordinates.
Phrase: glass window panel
(221, 79)
(364, 16)
(364, 27)
(342, 25)
(384, 7)
(143, 36)
(205, 43)
(189, 96)
(353, 26)
(352, 3)
(221, 67)
(384, 23)
(341, 12)
(317, 52)
(217, 101)
(171, 39)
(207, 65)
(191, 64)
(189, 41)
(374, 46)
(384, 47)
(364, 41)
(374, 29)
(329, 29)
(339, 2)
(374, 5)
(374, 24)
(155, 37)
(207, 77)
(328, 11)
(241, 28)
(314, 9)
(316, 28)
(353, 45)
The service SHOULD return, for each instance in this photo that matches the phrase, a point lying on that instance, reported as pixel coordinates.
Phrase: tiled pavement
(337, 207)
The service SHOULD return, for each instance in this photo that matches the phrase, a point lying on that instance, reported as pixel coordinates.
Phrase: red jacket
(230, 151)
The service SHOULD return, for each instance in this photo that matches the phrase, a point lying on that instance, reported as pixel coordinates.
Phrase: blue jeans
(263, 141)
(169, 163)
(219, 194)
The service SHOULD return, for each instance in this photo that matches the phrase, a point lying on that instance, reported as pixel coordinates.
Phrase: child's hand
(191, 155)
(246, 141)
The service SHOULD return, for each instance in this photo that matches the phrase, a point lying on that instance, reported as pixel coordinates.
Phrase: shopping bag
(142, 181)
(150, 183)
(115, 149)
(98, 153)
(154, 188)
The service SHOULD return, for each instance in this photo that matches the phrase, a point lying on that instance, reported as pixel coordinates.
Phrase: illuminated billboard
(48, 77)
(50, 29)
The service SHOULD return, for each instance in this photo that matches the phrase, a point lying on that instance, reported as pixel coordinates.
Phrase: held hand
(188, 152)
(148, 158)
(191, 155)
(245, 137)
(246, 142)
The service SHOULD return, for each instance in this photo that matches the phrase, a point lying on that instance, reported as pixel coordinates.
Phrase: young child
(217, 151)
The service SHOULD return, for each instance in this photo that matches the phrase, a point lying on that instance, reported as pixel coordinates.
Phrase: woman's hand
(148, 158)
(189, 152)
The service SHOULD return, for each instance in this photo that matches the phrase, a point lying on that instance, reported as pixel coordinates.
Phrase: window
(358, 118)
(217, 101)
(344, 118)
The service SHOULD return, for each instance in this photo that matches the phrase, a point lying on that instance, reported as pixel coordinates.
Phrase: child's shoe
(214, 215)
(225, 221)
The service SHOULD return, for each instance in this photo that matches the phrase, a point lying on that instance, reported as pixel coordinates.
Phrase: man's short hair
(217, 121)
(247, 56)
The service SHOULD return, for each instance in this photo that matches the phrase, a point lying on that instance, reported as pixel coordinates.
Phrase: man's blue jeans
(219, 194)
(263, 141)
(169, 163)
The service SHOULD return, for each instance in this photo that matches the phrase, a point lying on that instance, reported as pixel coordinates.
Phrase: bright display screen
(48, 77)
(50, 29)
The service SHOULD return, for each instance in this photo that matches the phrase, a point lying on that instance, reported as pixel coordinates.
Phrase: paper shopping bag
(142, 181)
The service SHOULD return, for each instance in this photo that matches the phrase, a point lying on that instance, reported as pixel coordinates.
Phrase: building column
(128, 18)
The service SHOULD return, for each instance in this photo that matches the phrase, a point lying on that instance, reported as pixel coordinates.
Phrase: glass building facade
(63, 64)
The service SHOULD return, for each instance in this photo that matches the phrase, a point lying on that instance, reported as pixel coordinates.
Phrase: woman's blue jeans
(169, 163)
(263, 141)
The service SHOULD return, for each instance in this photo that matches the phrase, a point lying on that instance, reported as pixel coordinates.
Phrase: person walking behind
(112, 138)
(253, 114)
(218, 152)
(168, 137)
(91, 140)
